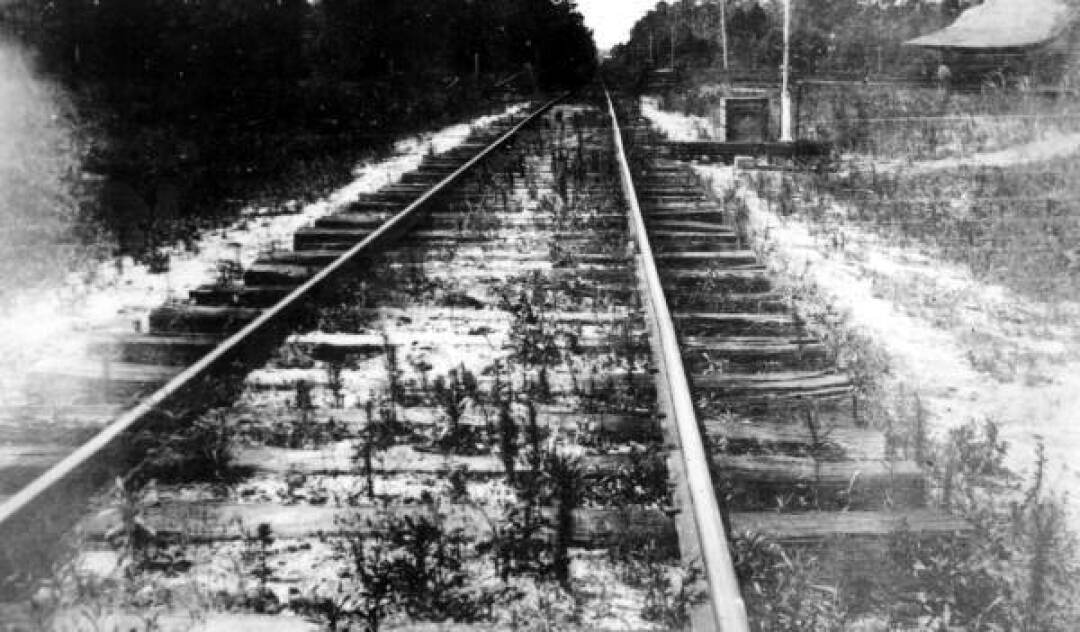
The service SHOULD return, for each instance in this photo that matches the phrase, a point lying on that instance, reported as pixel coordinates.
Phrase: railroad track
(451, 410)
(792, 457)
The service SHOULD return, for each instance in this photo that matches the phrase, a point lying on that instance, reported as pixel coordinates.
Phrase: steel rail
(24, 500)
(726, 600)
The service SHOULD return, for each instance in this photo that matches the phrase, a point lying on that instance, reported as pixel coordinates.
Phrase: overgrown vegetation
(1011, 570)
(202, 450)
(1018, 569)
(1013, 226)
(413, 565)
(907, 122)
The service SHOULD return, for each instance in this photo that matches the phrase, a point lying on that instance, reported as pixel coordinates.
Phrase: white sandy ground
(53, 324)
(931, 318)
(1056, 146)
(678, 127)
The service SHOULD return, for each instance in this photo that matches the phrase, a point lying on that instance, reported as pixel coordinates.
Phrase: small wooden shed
(746, 119)
(1006, 39)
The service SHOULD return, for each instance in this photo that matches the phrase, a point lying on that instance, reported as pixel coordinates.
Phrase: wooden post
(723, 32)
(785, 94)
(672, 27)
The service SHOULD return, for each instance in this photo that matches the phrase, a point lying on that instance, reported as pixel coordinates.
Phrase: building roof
(998, 24)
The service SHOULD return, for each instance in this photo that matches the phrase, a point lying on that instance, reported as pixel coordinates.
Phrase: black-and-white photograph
(539, 315)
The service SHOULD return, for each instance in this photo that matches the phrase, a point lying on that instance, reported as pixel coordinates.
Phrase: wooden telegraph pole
(671, 23)
(723, 32)
(785, 90)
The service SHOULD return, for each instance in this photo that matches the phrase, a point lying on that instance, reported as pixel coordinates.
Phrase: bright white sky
(611, 20)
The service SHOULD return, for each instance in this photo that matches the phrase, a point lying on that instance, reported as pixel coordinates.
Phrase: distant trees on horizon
(830, 37)
(214, 50)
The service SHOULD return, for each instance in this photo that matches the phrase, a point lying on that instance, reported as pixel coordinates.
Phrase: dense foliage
(196, 98)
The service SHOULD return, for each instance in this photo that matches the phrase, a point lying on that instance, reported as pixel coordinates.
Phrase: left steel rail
(32, 514)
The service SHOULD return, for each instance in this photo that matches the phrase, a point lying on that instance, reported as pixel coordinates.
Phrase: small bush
(203, 450)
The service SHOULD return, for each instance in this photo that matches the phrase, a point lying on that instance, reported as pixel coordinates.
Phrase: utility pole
(672, 42)
(723, 31)
(785, 91)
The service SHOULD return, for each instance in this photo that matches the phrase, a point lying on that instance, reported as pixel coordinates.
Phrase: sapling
(508, 433)
(1046, 523)
(132, 536)
(542, 388)
(263, 538)
(335, 381)
(423, 367)
(920, 430)
(369, 449)
(302, 401)
(459, 478)
(669, 602)
(469, 384)
(393, 375)
(203, 449)
(451, 396)
(567, 482)
(372, 571)
(816, 442)
(533, 434)
(520, 542)
(496, 394)
(448, 394)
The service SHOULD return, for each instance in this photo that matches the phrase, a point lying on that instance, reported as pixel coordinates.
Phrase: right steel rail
(724, 595)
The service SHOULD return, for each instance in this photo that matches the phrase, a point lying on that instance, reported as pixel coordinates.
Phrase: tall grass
(1017, 226)
(899, 122)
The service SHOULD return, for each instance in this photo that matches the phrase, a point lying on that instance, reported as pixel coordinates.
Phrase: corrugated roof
(1002, 24)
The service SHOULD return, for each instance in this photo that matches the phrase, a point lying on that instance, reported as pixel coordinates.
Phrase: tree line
(187, 54)
(215, 92)
(836, 38)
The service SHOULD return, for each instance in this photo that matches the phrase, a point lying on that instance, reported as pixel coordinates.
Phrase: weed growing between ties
(781, 587)
(1019, 568)
(672, 587)
(412, 565)
(1016, 569)
(453, 395)
(202, 450)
